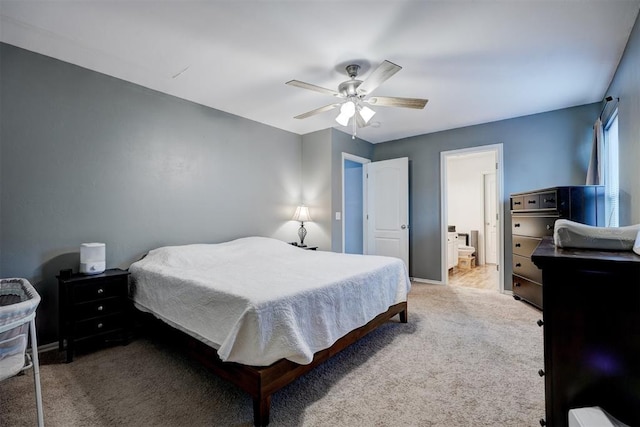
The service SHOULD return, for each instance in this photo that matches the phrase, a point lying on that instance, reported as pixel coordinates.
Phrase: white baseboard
(430, 282)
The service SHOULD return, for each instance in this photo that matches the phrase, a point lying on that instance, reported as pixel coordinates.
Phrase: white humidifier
(92, 258)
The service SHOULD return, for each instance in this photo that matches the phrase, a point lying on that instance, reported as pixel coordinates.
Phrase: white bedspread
(257, 300)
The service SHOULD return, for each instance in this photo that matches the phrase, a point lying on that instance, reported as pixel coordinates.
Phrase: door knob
(404, 226)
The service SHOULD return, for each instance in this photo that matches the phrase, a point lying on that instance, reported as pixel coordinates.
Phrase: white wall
(465, 194)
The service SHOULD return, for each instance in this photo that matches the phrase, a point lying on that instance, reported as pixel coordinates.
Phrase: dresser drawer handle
(100, 308)
(100, 291)
(517, 245)
(518, 264)
(100, 325)
(549, 227)
(517, 224)
(531, 202)
(549, 200)
(540, 322)
(541, 373)
(543, 422)
(516, 284)
(517, 203)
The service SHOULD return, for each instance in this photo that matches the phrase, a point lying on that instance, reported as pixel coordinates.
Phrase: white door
(490, 222)
(388, 208)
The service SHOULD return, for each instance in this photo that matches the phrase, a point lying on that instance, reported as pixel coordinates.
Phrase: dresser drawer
(532, 201)
(517, 203)
(534, 226)
(527, 290)
(98, 325)
(548, 200)
(524, 245)
(101, 307)
(99, 289)
(523, 266)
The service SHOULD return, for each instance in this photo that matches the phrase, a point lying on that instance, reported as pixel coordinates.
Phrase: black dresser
(591, 321)
(533, 215)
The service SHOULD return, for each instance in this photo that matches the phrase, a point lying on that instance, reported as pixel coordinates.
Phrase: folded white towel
(571, 234)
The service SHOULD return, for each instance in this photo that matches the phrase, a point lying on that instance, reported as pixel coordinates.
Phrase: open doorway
(353, 204)
(472, 227)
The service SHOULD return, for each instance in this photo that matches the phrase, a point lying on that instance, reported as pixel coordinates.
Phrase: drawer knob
(100, 308)
(540, 322)
(543, 422)
(517, 245)
(541, 373)
(100, 325)
(518, 264)
(517, 224)
(531, 202)
(516, 284)
(549, 227)
(100, 291)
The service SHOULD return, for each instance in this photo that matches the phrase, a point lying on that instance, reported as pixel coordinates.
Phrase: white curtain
(594, 173)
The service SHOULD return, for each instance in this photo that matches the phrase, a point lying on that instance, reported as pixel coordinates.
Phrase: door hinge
(496, 165)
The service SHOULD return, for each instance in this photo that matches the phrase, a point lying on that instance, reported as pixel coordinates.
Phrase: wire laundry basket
(18, 303)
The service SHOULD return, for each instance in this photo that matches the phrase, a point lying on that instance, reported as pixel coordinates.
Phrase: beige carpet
(467, 357)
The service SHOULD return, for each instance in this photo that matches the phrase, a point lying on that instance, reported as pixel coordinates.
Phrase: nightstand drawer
(97, 308)
(97, 289)
(98, 325)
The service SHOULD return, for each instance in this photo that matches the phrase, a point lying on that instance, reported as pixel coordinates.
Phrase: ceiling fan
(355, 94)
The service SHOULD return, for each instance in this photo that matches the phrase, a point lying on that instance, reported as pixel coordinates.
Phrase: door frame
(486, 240)
(362, 161)
(444, 155)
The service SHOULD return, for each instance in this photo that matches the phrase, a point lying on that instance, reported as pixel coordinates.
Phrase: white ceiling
(476, 61)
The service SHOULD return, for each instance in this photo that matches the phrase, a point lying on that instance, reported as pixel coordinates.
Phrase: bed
(260, 312)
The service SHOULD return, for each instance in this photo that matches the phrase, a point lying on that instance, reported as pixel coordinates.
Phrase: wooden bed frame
(262, 381)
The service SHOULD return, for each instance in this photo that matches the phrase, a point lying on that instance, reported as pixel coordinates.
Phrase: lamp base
(302, 233)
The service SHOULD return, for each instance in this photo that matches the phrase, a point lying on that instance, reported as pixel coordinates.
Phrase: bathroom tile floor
(480, 277)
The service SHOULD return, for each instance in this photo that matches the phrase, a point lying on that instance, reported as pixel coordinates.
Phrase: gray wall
(86, 157)
(541, 150)
(316, 187)
(626, 86)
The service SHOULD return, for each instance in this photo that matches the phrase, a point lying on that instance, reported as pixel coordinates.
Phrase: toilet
(465, 251)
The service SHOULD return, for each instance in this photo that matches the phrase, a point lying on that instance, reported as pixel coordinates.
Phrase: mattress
(258, 300)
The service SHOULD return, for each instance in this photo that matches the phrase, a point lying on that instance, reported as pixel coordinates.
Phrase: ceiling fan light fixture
(347, 110)
(366, 113)
(343, 119)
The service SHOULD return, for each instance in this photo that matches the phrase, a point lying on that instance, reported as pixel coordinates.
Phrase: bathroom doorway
(472, 227)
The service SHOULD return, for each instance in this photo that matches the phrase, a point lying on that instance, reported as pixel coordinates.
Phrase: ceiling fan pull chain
(355, 126)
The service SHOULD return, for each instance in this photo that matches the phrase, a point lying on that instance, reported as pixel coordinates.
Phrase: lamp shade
(301, 214)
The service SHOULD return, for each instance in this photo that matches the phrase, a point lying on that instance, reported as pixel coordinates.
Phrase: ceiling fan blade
(317, 111)
(377, 77)
(303, 85)
(392, 101)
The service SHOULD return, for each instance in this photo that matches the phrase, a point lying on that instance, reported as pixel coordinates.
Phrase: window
(611, 175)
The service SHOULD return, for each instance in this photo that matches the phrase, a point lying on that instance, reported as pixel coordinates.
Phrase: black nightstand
(308, 248)
(93, 306)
